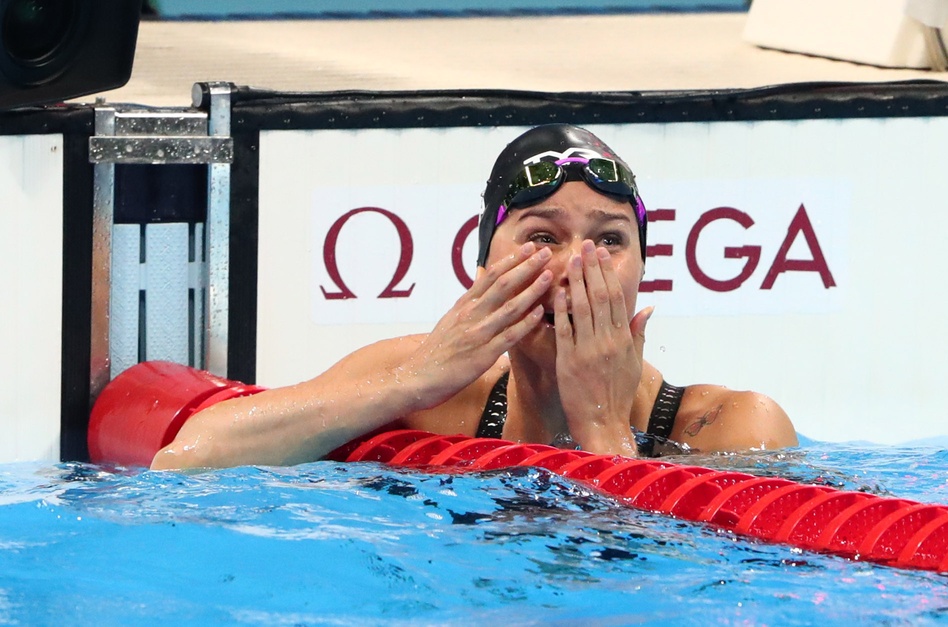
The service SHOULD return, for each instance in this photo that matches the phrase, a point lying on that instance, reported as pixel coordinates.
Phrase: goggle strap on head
(640, 214)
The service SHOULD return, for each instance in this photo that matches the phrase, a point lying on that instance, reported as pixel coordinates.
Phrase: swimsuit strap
(495, 412)
(660, 421)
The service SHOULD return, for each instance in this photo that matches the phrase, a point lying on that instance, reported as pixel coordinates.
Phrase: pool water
(332, 543)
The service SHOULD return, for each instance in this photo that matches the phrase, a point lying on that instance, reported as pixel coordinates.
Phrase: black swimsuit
(652, 443)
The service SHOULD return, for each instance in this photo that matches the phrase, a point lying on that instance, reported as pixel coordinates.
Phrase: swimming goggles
(539, 180)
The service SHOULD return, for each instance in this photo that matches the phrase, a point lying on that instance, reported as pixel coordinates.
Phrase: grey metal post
(217, 234)
(103, 198)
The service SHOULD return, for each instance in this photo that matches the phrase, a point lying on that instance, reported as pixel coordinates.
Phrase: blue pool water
(329, 543)
(239, 9)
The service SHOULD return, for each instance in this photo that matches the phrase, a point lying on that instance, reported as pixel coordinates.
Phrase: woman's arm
(375, 385)
(302, 422)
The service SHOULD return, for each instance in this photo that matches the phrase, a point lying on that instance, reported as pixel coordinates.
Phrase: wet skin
(588, 338)
(555, 307)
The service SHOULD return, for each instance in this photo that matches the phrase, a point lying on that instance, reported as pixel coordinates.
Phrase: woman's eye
(612, 239)
(542, 238)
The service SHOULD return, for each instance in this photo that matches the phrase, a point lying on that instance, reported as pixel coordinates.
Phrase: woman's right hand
(376, 384)
(500, 308)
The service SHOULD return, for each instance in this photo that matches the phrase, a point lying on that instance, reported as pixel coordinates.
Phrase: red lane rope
(143, 408)
(890, 531)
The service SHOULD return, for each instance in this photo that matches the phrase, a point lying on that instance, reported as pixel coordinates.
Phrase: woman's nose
(559, 263)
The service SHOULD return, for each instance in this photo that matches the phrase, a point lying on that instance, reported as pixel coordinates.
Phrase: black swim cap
(549, 142)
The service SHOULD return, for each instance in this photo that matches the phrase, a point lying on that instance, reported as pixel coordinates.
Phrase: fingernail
(527, 248)
(588, 246)
(602, 253)
(545, 253)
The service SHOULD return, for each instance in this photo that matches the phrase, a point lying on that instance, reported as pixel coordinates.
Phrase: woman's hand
(374, 385)
(598, 354)
(501, 307)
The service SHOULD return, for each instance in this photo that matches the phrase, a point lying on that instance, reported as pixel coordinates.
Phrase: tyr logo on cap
(585, 153)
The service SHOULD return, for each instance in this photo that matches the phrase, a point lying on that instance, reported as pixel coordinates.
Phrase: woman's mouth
(550, 318)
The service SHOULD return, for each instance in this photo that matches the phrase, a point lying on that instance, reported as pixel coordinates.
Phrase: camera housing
(54, 50)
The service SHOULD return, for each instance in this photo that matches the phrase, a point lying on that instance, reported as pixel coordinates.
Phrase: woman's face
(561, 222)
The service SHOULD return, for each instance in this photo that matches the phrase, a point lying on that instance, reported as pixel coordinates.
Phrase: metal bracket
(158, 150)
(159, 137)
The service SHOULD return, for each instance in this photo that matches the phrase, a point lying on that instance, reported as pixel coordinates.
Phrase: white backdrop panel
(31, 258)
(801, 259)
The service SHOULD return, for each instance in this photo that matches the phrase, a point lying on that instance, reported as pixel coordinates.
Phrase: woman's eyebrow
(550, 213)
(606, 216)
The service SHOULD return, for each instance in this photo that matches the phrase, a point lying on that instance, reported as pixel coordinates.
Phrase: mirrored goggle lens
(611, 176)
(534, 181)
(539, 180)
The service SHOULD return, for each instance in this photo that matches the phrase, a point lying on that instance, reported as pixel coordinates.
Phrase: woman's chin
(540, 343)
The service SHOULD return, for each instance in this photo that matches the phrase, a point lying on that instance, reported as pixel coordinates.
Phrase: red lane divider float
(142, 410)
(896, 532)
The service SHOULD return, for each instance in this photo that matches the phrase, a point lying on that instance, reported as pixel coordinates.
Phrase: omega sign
(799, 231)
(800, 227)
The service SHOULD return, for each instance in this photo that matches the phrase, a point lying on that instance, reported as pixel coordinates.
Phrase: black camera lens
(34, 30)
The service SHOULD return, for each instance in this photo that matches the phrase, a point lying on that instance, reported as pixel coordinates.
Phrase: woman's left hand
(598, 354)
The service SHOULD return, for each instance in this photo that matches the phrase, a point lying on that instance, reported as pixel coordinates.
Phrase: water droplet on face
(661, 348)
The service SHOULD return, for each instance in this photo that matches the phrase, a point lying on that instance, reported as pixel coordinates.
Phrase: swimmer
(545, 347)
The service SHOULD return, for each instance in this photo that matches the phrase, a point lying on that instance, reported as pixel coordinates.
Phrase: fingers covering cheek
(603, 254)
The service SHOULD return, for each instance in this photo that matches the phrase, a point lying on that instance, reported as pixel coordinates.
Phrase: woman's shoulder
(462, 412)
(716, 418)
